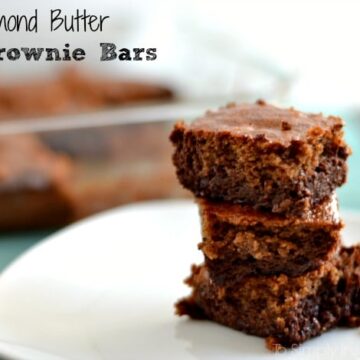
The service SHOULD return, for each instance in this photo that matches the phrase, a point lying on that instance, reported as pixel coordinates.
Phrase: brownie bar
(33, 184)
(286, 311)
(280, 160)
(117, 170)
(238, 240)
(72, 91)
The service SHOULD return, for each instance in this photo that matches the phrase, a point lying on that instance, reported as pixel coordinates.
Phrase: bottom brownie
(286, 311)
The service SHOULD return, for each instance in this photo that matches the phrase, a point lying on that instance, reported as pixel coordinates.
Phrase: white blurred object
(315, 41)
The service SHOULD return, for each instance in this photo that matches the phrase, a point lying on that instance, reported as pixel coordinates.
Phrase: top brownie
(278, 160)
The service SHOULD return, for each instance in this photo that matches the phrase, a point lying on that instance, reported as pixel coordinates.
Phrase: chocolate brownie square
(278, 160)
(285, 310)
(33, 184)
(72, 91)
(238, 240)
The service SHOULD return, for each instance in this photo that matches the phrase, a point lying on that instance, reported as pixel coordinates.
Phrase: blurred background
(77, 139)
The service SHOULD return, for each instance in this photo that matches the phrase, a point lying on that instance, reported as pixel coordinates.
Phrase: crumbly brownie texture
(286, 311)
(33, 183)
(239, 241)
(274, 159)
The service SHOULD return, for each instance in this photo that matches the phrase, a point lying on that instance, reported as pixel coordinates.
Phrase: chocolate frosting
(267, 121)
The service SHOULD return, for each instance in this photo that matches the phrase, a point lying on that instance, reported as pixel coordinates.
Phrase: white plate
(105, 288)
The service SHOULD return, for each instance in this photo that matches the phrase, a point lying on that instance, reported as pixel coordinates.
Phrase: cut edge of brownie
(238, 241)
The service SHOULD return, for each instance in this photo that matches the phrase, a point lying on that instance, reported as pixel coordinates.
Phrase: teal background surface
(349, 194)
(14, 244)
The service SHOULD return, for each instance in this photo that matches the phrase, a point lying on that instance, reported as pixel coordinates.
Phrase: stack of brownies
(264, 179)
